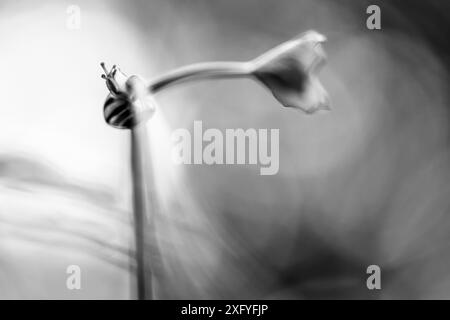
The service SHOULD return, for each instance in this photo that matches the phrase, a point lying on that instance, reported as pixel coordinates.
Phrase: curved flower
(289, 71)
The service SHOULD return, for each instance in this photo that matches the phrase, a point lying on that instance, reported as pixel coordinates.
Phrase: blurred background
(367, 183)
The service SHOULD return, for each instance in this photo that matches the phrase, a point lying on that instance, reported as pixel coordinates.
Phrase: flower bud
(290, 70)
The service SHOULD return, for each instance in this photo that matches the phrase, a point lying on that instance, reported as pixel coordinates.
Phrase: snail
(128, 102)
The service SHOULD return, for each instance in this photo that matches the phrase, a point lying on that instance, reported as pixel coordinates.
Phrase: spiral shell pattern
(121, 113)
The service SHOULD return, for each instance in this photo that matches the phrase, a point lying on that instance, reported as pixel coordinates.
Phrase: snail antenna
(102, 64)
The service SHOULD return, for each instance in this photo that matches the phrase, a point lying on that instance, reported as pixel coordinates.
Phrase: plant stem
(200, 71)
(137, 153)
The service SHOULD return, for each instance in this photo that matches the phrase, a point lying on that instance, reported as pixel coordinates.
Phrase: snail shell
(126, 109)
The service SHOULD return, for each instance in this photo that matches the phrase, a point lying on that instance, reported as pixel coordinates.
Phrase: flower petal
(289, 71)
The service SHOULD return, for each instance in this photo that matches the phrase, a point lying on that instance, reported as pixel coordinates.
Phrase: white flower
(290, 72)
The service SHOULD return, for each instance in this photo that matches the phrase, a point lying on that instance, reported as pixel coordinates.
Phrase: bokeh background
(367, 183)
